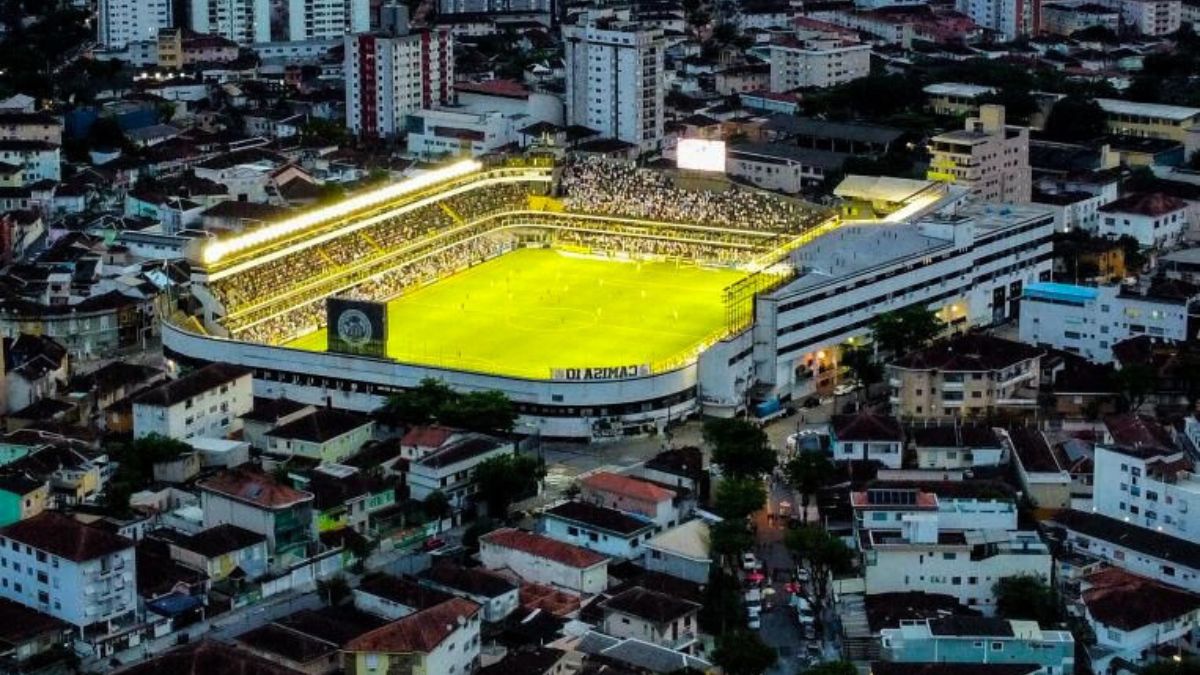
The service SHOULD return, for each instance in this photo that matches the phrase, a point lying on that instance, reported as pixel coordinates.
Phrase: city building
(542, 560)
(782, 167)
(659, 504)
(498, 597)
(614, 533)
(1156, 220)
(120, 22)
(657, 618)
(77, 573)
(867, 436)
(1147, 485)
(987, 156)
(956, 98)
(256, 502)
(956, 446)
(394, 597)
(682, 551)
(1132, 617)
(310, 20)
(242, 21)
(949, 541)
(1153, 120)
(615, 73)
(452, 133)
(1009, 18)
(21, 497)
(35, 160)
(389, 77)
(966, 375)
(1149, 17)
(1065, 18)
(206, 402)
(451, 469)
(818, 62)
(1090, 320)
(1147, 553)
(979, 641)
(221, 551)
(30, 126)
(268, 413)
(441, 639)
(326, 434)
(1045, 475)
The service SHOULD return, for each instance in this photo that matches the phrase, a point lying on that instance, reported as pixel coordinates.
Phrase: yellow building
(1153, 120)
(435, 641)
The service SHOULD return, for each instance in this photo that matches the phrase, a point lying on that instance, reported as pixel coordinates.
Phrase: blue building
(980, 640)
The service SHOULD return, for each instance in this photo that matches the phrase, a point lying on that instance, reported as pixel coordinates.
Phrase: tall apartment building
(1148, 486)
(615, 78)
(1149, 17)
(326, 19)
(1010, 18)
(388, 77)
(988, 156)
(820, 63)
(242, 21)
(120, 22)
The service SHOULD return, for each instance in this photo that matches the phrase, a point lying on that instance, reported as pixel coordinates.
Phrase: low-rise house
(80, 574)
(530, 660)
(258, 503)
(310, 641)
(970, 375)
(680, 467)
(441, 639)
(655, 617)
(1044, 475)
(1155, 220)
(222, 551)
(682, 551)
(31, 641)
(114, 382)
(613, 533)
(423, 440)
(35, 367)
(957, 446)
(1146, 553)
(497, 596)
(633, 495)
(268, 413)
(1132, 617)
(393, 597)
(634, 655)
(326, 435)
(21, 497)
(543, 560)
(206, 402)
(451, 469)
(980, 640)
(867, 436)
(208, 656)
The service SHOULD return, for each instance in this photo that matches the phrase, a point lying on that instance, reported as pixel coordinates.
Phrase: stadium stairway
(450, 212)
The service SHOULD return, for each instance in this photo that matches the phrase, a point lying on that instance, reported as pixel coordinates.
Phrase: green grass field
(534, 310)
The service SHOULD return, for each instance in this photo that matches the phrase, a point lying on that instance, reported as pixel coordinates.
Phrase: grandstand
(520, 268)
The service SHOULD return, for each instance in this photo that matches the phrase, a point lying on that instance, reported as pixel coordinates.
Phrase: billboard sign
(699, 154)
(356, 327)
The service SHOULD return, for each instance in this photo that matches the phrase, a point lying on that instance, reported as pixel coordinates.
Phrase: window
(997, 646)
(573, 531)
(949, 556)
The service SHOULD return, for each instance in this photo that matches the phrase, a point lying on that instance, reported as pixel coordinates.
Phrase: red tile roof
(254, 488)
(1151, 204)
(543, 547)
(427, 436)
(420, 632)
(505, 88)
(627, 486)
(65, 537)
(1128, 602)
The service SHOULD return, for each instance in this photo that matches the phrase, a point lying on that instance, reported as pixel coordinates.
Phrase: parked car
(846, 388)
(433, 544)
(802, 574)
(750, 562)
(754, 623)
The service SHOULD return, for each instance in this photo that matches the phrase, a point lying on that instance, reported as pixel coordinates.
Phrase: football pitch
(532, 311)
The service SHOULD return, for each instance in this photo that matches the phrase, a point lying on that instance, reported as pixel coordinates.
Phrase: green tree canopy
(825, 554)
(905, 329)
(434, 401)
(807, 472)
(1076, 119)
(860, 361)
(507, 478)
(739, 498)
(135, 467)
(436, 504)
(730, 538)
(722, 608)
(739, 447)
(1026, 597)
(742, 652)
(1135, 382)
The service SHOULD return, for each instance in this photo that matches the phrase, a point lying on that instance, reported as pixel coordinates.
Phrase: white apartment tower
(242, 21)
(1010, 18)
(123, 21)
(615, 78)
(987, 156)
(326, 19)
(388, 77)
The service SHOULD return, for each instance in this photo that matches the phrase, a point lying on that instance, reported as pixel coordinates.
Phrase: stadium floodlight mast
(217, 250)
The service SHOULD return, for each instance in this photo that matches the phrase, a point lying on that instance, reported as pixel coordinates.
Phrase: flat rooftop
(852, 249)
(1171, 112)
(957, 89)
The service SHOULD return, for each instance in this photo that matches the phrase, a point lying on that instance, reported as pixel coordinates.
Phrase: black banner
(357, 327)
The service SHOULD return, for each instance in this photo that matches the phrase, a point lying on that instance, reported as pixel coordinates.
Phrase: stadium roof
(881, 188)
(957, 89)
(1171, 112)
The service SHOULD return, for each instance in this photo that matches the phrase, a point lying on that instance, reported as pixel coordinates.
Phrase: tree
(905, 329)
(483, 411)
(826, 556)
(729, 539)
(1184, 666)
(1135, 259)
(742, 652)
(1134, 383)
(722, 608)
(334, 590)
(470, 538)
(319, 131)
(861, 364)
(418, 405)
(135, 467)
(806, 473)
(436, 505)
(1026, 597)
(739, 498)
(507, 478)
(1076, 119)
(740, 447)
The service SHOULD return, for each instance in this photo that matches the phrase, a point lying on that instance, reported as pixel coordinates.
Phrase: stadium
(585, 290)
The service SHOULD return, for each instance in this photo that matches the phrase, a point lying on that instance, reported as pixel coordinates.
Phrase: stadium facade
(806, 292)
